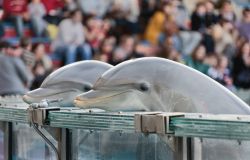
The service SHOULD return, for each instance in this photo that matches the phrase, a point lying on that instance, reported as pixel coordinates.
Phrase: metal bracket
(154, 122)
(149, 122)
(38, 112)
(168, 117)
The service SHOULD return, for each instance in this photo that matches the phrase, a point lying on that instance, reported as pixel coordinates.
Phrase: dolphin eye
(87, 87)
(144, 87)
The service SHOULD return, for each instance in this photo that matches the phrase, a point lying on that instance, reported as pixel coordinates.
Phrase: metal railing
(12, 109)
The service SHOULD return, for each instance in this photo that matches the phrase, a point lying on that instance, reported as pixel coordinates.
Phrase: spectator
(42, 67)
(183, 42)
(223, 38)
(172, 54)
(156, 23)
(198, 18)
(181, 14)
(226, 11)
(41, 57)
(210, 18)
(69, 6)
(106, 50)
(124, 51)
(15, 11)
(71, 38)
(196, 61)
(221, 73)
(13, 74)
(27, 56)
(145, 49)
(96, 32)
(37, 12)
(126, 14)
(241, 67)
(53, 11)
(4, 46)
(147, 8)
(244, 25)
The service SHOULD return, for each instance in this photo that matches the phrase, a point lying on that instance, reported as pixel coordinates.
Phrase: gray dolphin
(67, 82)
(156, 84)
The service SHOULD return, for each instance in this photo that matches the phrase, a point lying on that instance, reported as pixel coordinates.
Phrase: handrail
(175, 124)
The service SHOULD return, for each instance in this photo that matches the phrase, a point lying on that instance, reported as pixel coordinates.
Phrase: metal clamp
(38, 112)
(168, 117)
(154, 122)
(150, 122)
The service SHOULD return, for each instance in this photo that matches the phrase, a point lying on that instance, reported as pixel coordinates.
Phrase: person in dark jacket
(241, 67)
(13, 73)
(198, 18)
(210, 17)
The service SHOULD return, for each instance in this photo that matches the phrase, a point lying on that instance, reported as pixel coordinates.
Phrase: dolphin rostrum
(67, 82)
(156, 84)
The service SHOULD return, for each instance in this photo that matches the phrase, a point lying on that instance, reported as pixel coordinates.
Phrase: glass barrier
(88, 145)
(28, 145)
(211, 149)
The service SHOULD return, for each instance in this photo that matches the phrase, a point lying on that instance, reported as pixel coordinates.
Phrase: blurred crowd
(213, 37)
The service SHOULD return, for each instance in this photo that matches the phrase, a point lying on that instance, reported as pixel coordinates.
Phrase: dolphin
(67, 82)
(156, 84)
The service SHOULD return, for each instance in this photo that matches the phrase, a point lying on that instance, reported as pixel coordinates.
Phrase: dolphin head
(67, 82)
(156, 84)
(132, 85)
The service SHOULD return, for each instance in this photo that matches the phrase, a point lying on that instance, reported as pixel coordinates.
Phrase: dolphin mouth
(92, 97)
(39, 94)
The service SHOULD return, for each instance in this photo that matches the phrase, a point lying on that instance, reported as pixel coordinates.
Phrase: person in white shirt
(71, 38)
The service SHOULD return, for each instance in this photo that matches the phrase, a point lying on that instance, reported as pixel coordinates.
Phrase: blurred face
(107, 47)
(209, 6)
(247, 16)
(246, 54)
(128, 44)
(77, 17)
(223, 62)
(168, 9)
(201, 10)
(40, 51)
(14, 51)
(200, 53)
(106, 25)
(246, 48)
(227, 7)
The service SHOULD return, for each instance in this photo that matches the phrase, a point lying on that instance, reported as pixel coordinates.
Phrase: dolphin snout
(86, 99)
(95, 98)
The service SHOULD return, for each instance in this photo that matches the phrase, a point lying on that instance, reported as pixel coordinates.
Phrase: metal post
(197, 149)
(183, 148)
(7, 140)
(178, 144)
(64, 144)
(189, 148)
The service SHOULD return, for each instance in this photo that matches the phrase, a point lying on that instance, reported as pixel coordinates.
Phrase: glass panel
(28, 145)
(88, 145)
(223, 149)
